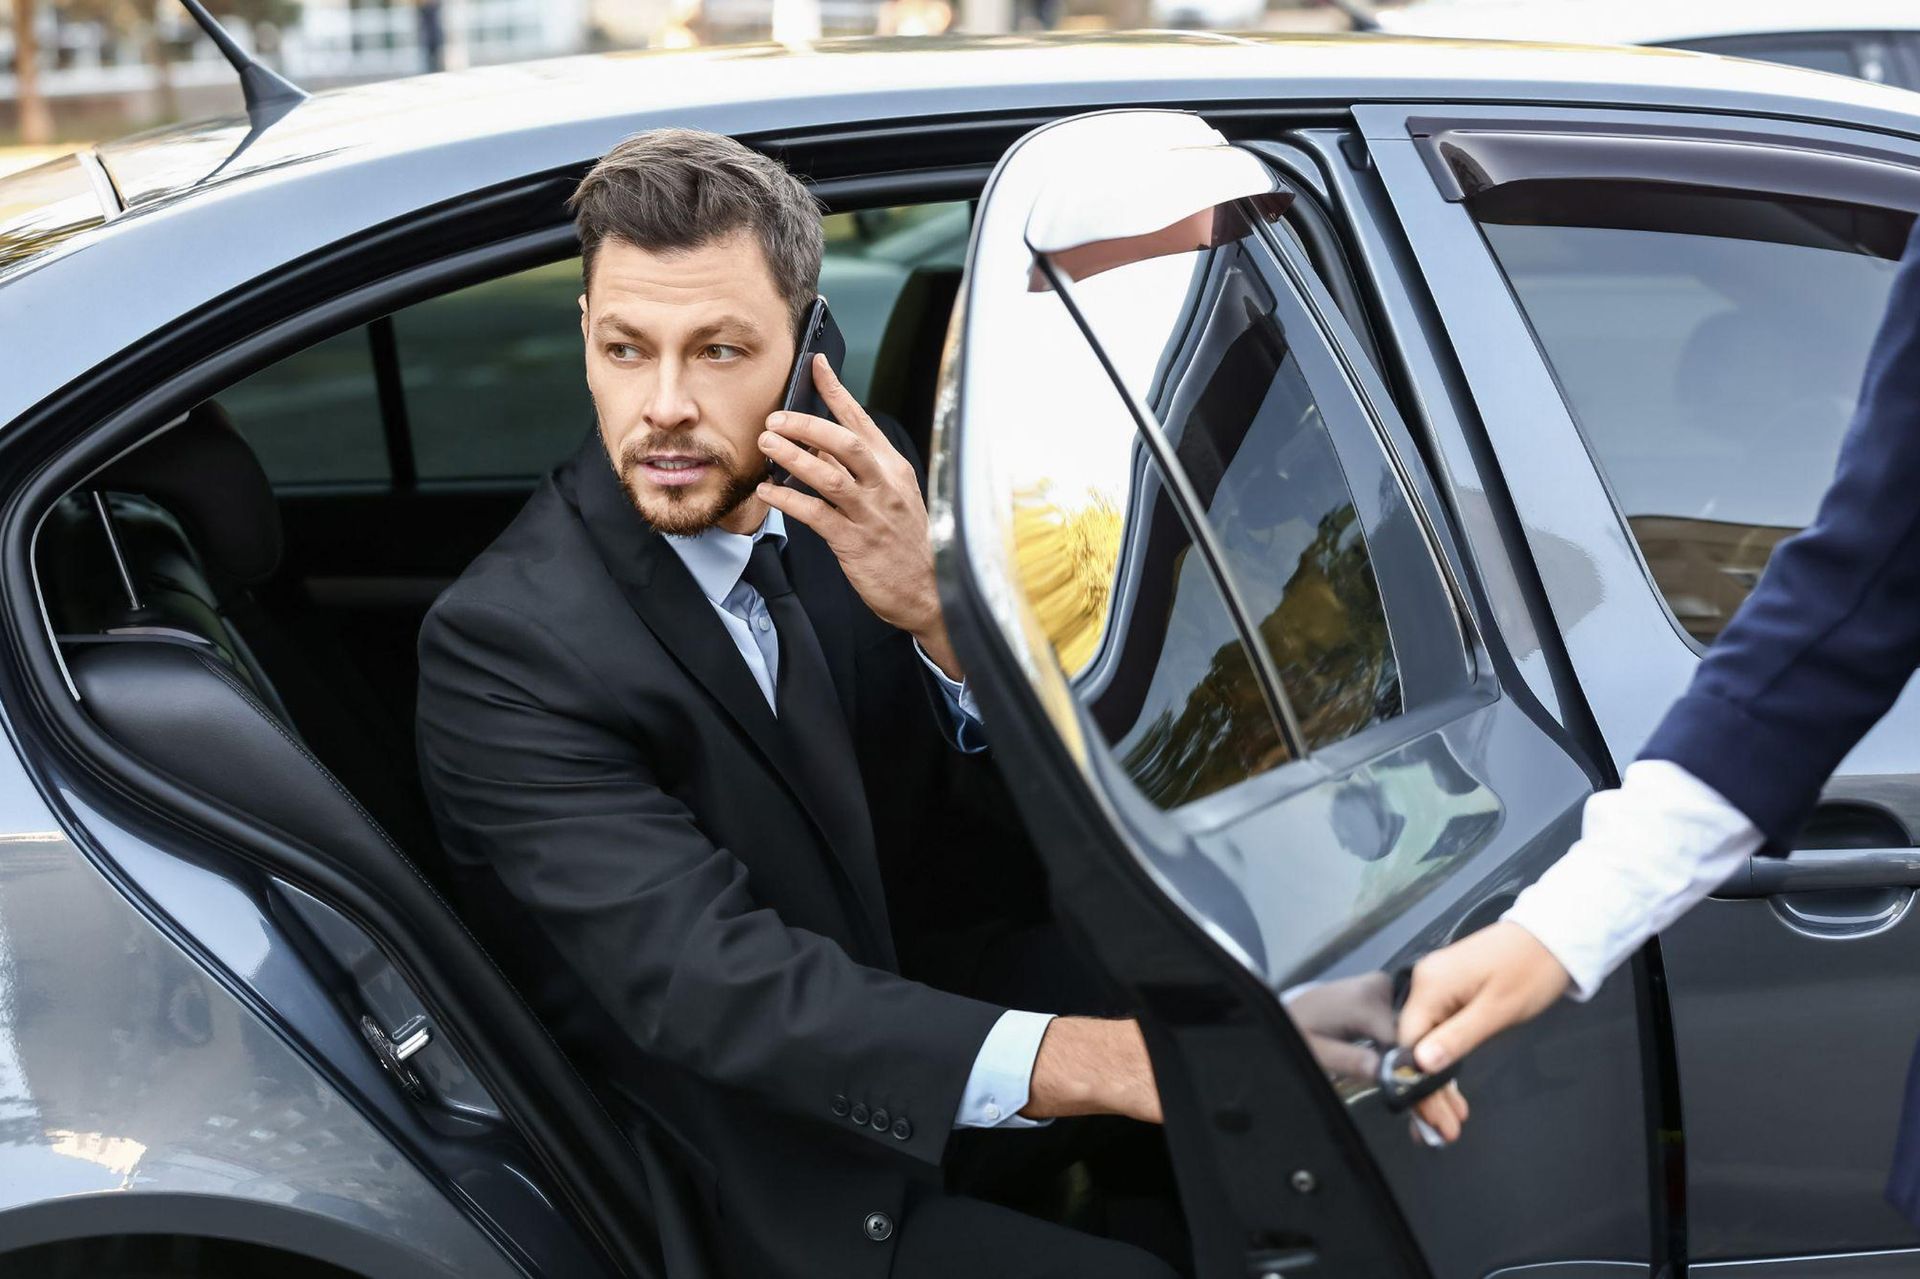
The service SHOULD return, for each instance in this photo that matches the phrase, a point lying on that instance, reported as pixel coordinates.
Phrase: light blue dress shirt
(1002, 1076)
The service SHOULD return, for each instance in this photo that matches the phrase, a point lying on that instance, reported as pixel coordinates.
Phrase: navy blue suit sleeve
(1829, 637)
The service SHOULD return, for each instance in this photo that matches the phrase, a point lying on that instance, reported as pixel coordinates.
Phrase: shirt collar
(717, 558)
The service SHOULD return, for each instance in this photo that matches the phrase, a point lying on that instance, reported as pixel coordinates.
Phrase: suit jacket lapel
(667, 600)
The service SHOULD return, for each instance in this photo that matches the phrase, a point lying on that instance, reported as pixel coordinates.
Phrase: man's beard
(680, 511)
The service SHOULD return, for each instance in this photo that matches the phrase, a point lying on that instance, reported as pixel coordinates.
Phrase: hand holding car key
(1347, 1022)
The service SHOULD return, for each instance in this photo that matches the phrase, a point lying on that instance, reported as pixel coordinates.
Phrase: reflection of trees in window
(1328, 636)
(1221, 736)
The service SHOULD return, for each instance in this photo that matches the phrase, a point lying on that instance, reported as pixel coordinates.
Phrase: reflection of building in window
(1065, 558)
(1328, 636)
(1705, 568)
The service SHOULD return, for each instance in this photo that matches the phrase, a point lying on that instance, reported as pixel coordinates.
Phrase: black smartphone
(819, 335)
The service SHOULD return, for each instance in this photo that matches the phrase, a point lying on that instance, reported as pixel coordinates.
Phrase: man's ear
(583, 315)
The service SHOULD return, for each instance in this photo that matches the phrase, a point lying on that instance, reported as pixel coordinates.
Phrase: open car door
(1236, 668)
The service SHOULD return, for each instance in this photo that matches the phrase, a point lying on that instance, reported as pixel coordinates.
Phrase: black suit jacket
(699, 906)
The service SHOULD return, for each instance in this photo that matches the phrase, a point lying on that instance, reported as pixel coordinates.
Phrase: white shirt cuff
(1002, 1078)
(964, 729)
(1647, 852)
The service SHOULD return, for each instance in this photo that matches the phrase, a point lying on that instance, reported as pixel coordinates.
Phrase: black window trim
(395, 428)
(1470, 157)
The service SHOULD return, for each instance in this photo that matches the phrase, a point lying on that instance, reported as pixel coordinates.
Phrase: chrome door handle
(1815, 870)
(393, 1051)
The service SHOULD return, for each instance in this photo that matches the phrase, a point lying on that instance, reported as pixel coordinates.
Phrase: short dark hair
(679, 189)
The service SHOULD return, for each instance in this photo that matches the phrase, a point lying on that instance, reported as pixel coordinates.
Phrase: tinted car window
(495, 377)
(869, 257)
(315, 416)
(1711, 349)
(1196, 336)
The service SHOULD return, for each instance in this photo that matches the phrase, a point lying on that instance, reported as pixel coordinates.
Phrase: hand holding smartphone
(818, 335)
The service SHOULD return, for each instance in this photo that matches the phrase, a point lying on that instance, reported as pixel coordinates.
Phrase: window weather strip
(393, 403)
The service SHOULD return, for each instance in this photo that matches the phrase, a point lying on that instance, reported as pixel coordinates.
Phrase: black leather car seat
(149, 577)
(906, 366)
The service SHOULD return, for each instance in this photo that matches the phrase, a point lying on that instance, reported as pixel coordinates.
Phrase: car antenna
(267, 92)
(1358, 12)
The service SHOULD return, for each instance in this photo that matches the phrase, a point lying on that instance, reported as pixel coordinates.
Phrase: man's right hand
(1470, 991)
(1092, 1066)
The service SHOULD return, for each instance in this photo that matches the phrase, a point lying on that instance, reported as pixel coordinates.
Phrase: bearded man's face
(687, 354)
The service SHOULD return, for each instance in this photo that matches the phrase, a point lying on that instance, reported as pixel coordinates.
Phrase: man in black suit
(683, 718)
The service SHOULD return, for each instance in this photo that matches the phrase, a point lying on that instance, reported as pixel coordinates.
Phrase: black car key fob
(1404, 1085)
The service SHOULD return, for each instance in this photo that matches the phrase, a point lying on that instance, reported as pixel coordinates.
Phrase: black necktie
(804, 694)
(810, 717)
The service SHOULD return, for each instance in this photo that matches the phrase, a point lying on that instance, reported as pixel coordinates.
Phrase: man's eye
(722, 353)
(623, 351)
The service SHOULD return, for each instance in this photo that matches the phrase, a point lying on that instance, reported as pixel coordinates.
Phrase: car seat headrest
(208, 478)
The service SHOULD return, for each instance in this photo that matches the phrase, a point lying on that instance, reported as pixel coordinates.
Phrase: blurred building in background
(99, 68)
(133, 62)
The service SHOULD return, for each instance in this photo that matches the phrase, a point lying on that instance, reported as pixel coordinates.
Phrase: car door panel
(1344, 860)
(1794, 1011)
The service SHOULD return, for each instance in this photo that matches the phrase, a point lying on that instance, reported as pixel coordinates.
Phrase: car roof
(210, 210)
(916, 78)
(1645, 21)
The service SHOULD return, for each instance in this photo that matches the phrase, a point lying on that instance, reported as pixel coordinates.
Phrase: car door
(1247, 695)
(1703, 292)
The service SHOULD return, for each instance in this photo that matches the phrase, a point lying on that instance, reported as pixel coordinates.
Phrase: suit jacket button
(879, 1227)
(880, 1120)
(840, 1105)
(902, 1130)
(859, 1115)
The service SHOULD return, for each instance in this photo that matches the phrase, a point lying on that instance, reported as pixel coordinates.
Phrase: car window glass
(1711, 350)
(1107, 568)
(1196, 336)
(870, 256)
(495, 376)
(314, 417)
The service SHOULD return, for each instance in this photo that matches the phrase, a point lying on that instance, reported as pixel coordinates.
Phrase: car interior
(263, 534)
(251, 577)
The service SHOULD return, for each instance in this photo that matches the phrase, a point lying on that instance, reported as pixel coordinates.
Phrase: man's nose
(671, 403)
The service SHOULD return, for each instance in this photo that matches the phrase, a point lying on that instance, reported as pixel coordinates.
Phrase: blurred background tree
(36, 122)
(160, 30)
(164, 29)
